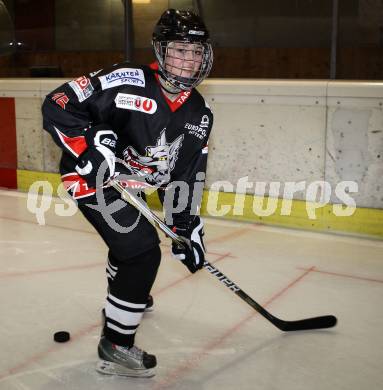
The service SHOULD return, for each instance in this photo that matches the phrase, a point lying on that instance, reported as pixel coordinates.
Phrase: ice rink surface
(52, 278)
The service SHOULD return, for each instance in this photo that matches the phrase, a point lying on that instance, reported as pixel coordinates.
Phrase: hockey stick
(286, 326)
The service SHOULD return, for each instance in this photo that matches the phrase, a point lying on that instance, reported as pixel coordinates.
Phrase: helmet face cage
(184, 64)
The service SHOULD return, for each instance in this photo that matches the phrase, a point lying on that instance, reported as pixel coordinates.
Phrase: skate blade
(109, 368)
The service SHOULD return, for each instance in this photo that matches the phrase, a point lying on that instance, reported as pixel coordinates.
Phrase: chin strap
(167, 86)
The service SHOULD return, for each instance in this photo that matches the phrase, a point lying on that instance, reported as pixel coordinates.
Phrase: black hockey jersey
(160, 140)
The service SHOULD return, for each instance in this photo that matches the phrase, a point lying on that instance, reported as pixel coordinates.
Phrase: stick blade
(322, 322)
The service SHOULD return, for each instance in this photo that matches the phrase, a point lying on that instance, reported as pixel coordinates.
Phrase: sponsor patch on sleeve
(82, 87)
(123, 76)
(61, 99)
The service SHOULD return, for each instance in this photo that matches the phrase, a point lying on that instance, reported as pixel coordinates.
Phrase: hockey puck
(61, 337)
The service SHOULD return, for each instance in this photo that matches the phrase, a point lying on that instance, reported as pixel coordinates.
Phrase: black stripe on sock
(124, 308)
(125, 327)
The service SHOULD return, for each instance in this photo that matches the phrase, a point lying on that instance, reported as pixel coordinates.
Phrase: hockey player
(152, 121)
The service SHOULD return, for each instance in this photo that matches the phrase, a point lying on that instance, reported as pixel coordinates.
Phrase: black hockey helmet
(184, 30)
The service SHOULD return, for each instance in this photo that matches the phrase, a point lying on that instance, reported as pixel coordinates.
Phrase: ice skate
(118, 360)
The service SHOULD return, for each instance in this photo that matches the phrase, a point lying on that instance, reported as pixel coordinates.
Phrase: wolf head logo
(158, 162)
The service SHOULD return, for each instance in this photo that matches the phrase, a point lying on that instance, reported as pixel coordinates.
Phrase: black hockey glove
(193, 257)
(101, 141)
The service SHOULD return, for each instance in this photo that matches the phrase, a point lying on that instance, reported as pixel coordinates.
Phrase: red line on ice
(44, 271)
(178, 281)
(42, 354)
(49, 225)
(345, 275)
(83, 332)
(234, 234)
(195, 360)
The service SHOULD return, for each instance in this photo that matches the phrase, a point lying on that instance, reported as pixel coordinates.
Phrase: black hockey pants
(133, 261)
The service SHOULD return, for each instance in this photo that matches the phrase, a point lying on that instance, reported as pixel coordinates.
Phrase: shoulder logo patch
(123, 76)
(82, 87)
